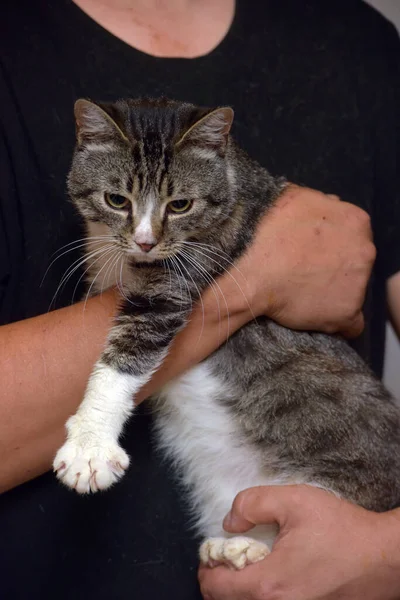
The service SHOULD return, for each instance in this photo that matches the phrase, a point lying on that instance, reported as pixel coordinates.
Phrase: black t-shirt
(315, 90)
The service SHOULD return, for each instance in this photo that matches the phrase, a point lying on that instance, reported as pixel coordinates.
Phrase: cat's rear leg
(235, 552)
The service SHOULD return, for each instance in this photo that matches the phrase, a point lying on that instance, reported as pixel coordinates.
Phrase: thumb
(260, 505)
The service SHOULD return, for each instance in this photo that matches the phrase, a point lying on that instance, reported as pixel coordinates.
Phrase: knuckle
(369, 253)
(361, 217)
(355, 214)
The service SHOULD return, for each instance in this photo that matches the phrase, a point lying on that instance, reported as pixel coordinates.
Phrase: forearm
(210, 325)
(46, 362)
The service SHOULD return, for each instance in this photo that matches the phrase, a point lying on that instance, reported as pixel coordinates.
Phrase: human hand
(310, 263)
(327, 549)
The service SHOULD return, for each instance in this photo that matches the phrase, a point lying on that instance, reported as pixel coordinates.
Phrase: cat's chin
(143, 257)
(137, 259)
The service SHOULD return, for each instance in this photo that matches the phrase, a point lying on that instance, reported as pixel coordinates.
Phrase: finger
(333, 197)
(221, 583)
(259, 505)
(355, 327)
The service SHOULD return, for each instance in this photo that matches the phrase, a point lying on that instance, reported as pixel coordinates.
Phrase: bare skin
(169, 29)
(45, 362)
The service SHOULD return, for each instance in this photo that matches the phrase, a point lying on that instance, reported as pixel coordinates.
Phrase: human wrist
(227, 300)
(107, 302)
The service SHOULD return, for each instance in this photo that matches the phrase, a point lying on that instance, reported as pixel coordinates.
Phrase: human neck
(164, 28)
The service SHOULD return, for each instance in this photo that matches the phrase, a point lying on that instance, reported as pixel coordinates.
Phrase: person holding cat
(310, 246)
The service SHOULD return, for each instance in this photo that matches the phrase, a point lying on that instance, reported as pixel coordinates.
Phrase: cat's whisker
(102, 256)
(74, 267)
(120, 284)
(77, 263)
(217, 252)
(199, 296)
(182, 277)
(212, 283)
(75, 247)
(97, 275)
(166, 265)
(85, 239)
(108, 273)
(86, 270)
(120, 261)
(178, 277)
(227, 271)
(208, 278)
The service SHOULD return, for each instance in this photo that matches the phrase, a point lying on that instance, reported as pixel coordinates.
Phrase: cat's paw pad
(236, 552)
(90, 469)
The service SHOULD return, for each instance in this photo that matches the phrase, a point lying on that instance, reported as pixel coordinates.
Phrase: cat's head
(152, 174)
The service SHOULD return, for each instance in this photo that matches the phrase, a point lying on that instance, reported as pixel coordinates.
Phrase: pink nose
(146, 247)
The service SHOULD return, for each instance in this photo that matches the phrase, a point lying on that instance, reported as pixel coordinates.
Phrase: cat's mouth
(143, 257)
(154, 254)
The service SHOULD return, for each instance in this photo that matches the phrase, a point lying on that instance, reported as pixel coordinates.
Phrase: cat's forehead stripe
(129, 184)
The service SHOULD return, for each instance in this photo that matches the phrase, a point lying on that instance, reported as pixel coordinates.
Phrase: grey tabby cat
(170, 202)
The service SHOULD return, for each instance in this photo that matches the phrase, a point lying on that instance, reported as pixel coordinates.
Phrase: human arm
(309, 246)
(327, 549)
(46, 362)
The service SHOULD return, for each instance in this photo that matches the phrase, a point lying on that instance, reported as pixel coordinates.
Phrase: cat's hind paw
(236, 552)
(90, 468)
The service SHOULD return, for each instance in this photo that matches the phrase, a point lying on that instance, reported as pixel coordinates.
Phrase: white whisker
(97, 275)
(76, 247)
(102, 256)
(199, 294)
(202, 252)
(75, 266)
(212, 283)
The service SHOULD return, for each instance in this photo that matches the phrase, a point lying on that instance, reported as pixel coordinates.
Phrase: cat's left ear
(93, 124)
(211, 131)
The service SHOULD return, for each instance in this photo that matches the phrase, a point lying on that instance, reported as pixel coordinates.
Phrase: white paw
(236, 552)
(90, 468)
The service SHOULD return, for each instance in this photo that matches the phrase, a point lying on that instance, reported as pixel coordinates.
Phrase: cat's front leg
(91, 458)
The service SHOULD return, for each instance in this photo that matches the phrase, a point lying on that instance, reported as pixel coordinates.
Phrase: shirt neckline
(99, 31)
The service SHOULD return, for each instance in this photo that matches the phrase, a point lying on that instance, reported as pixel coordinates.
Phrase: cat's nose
(146, 247)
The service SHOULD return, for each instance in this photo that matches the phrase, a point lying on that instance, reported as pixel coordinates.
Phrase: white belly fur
(210, 451)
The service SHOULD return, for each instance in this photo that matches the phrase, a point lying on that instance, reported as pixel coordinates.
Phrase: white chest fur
(215, 460)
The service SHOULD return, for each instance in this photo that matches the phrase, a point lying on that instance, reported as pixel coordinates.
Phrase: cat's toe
(90, 469)
(242, 551)
(211, 551)
(236, 552)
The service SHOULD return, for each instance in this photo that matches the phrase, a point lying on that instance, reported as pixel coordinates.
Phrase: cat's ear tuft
(211, 130)
(93, 124)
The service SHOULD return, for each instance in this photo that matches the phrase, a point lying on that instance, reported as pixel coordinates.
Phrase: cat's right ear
(93, 124)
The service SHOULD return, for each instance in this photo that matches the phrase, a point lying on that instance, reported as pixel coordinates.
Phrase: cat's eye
(116, 201)
(179, 206)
